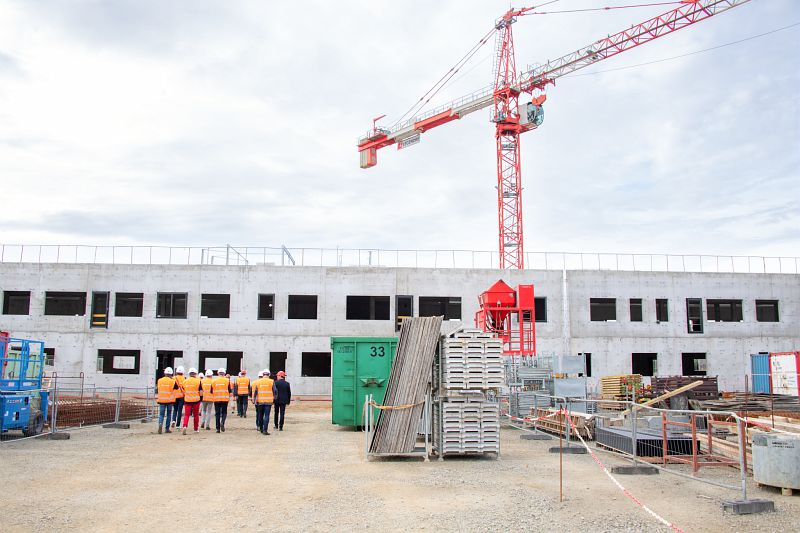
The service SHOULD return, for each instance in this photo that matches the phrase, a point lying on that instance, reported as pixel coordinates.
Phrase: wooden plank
(666, 396)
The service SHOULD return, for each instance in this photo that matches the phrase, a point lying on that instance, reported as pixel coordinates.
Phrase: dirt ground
(313, 477)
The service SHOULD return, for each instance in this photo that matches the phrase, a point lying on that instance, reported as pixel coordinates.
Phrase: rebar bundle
(398, 422)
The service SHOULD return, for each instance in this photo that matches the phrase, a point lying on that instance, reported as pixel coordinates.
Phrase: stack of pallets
(465, 421)
(707, 391)
(618, 388)
(472, 360)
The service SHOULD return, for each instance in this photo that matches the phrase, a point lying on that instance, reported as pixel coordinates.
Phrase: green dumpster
(361, 366)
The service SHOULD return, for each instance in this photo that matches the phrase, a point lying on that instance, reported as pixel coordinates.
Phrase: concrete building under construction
(119, 324)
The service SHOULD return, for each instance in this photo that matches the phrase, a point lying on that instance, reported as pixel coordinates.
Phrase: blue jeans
(164, 408)
(178, 411)
(262, 416)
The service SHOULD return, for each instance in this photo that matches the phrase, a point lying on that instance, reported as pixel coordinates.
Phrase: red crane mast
(512, 119)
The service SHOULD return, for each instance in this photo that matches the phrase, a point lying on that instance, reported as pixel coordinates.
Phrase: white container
(776, 460)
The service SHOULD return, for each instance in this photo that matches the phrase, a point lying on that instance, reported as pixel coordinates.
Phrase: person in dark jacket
(282, 392)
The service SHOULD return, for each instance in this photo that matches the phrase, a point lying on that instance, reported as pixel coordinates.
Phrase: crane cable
(420, 104)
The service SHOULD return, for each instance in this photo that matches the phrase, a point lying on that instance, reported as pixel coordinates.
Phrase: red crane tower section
(512, 119)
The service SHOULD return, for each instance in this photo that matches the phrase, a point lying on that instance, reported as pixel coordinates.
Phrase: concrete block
(572, 450)
(749, 506)
(634, 470)
(117, 425)
(535, 436)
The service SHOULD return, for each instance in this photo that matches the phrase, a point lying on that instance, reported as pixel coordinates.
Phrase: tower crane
(512, 119)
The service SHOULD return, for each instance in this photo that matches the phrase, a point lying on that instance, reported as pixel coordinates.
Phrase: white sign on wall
(783, 369)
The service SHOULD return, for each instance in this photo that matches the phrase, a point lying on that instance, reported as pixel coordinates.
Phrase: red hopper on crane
(509, 313)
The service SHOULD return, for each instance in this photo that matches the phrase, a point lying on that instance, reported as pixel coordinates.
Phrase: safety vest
(206, 383)
(191, 388)
(220, 389)
(166, 386)
(263, 390)
(242, 385)
(180, 378)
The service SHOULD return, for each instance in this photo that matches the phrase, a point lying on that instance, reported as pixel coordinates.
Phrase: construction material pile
(708, 390)
(396, 429)
(78, 411)
(618, 388)
(750, 402)
(465, 421)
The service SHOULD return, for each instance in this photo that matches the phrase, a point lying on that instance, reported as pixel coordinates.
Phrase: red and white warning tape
(618, 484)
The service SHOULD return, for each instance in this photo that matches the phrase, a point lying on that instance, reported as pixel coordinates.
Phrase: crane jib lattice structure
(512, 119)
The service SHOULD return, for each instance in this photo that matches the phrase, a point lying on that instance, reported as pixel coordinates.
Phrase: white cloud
(206, 122)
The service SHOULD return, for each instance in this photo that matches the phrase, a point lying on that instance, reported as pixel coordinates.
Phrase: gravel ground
(313, 477)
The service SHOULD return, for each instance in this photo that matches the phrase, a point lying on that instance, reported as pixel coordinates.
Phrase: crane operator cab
(531, 114)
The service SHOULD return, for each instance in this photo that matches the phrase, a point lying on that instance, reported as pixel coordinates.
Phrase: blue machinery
(23, 403)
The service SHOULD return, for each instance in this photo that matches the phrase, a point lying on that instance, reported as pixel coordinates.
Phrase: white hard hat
(168, 370)
(221, 371)
(179, 370)
(209, 372)
(260, 373)
(266, 371)
(193, 371)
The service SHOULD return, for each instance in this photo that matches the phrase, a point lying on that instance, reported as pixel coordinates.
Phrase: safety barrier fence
(712, 447)
(72, 408)
(390, 258)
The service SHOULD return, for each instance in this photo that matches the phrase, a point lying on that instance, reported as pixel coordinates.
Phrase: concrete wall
(568, 328)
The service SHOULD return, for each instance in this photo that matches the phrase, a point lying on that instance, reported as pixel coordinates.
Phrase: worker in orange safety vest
(221, 390)
(179, 379)
(191, 397)
(165, 390)
(242, 391)
(208, 400)
(263, 398)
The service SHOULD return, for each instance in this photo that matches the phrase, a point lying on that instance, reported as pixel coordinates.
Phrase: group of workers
(196, 395)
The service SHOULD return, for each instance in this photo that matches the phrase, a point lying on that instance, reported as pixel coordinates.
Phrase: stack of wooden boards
(465, 422)
(750, 402)
(618, 388)
(397, 426)
(708, 390)
(551, 421)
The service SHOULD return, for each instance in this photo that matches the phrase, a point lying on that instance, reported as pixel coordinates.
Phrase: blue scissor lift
(23, 402)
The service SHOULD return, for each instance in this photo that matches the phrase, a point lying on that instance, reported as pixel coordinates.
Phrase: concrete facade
(568, 328)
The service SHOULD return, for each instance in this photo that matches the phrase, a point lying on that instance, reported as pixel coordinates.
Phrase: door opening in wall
(277, 362)
(164, 359)
(645, 364)
(404, 308)
(230, 361)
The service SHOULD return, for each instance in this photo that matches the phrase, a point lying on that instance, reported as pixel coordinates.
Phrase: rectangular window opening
(662, 310)
(171, 305)
(636, 309)
(128, 304)
(16, 302)
(645, 364)
(65, 303)
(315, 365)
(302, 307)
(447, 306)
(215, 305)
(587, 357)
(118, 361)
(724, 310)
(602, 309)
(99, 318)
(404, 308)
(767, 311)
(266, 307)
(693, 364)
(694, 315)
(367, 308)
(49, 356)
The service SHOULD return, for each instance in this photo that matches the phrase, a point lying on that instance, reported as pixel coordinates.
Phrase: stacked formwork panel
(467, 373)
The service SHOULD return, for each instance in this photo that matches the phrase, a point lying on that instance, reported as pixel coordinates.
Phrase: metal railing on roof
(375, 257)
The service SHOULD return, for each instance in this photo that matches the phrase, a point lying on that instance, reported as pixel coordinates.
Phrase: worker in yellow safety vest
(179, 379)
(191, 398)
(208, 400)
(165, 389)
(242, 390)
(263, 398)
(221, 390)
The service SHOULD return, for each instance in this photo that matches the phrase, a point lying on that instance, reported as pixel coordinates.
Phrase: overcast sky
(208, 122)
